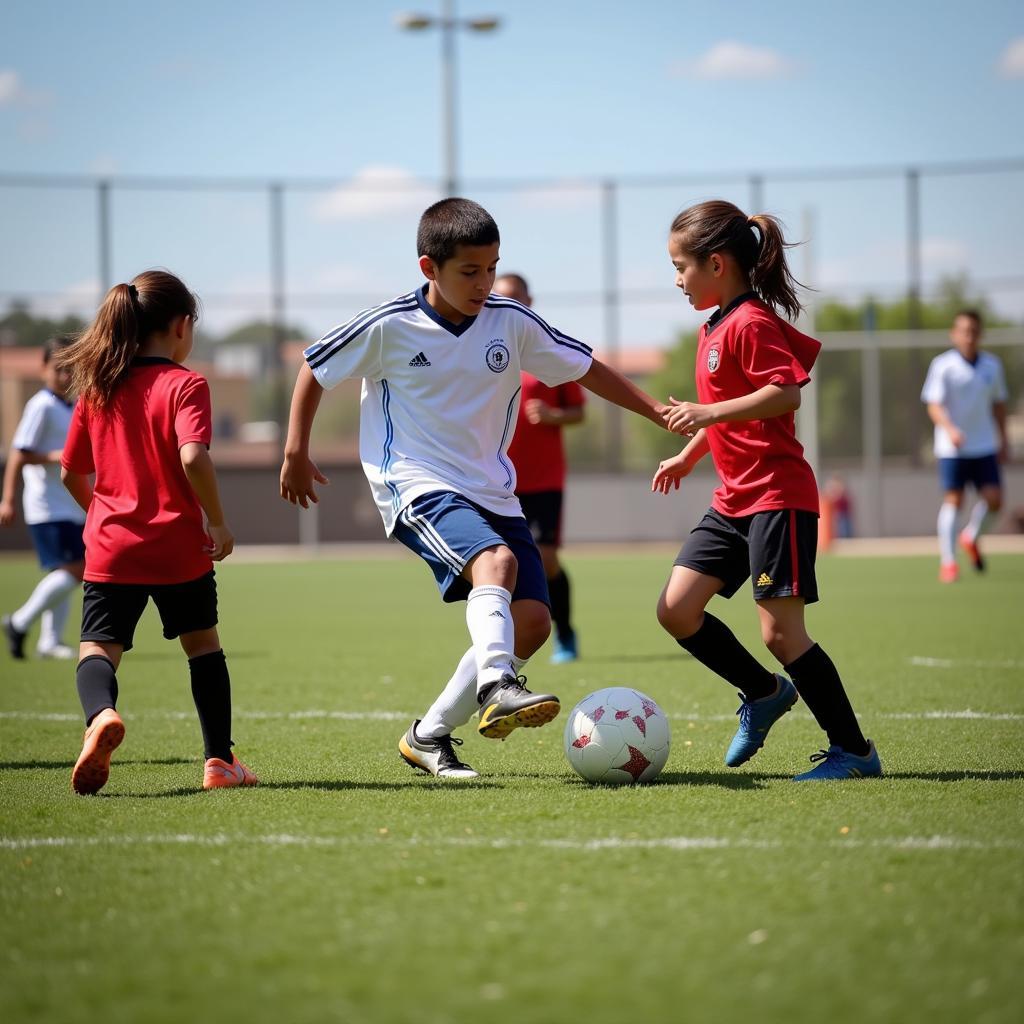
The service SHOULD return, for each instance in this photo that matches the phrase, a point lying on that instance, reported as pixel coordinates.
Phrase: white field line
(924, 662)
(683, 844)
(405, 716)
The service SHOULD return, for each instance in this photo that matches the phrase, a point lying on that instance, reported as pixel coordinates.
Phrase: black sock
(558, 589)
(818, 683)
(715, 646)
(211, 690)
(97, 685)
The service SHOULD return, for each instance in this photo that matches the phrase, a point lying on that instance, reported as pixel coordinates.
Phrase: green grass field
(346, 887)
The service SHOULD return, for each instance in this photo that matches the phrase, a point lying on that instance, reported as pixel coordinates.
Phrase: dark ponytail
(756, 243)
(129, 314)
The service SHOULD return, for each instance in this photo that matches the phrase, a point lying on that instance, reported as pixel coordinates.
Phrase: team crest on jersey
(497, 355)
(714, 357)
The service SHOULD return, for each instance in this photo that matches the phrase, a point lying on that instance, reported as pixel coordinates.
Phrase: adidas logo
(500, 615)
(419, 360)
(764, 580)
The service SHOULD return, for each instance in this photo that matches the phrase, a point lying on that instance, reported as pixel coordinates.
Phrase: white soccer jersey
(439, 400)
(967, 391)
(44, 428)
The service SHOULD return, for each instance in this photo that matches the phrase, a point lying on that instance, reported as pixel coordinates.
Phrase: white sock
(51, 625)
(50, 590)
(980, 520)
(947, 533)
(489, 618)
(455, 705)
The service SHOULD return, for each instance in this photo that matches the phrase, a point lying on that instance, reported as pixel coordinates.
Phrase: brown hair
(971, 314)
(52, 346)
(719, 226)
(129, 314)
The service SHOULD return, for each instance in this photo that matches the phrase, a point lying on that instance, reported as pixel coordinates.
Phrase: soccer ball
(617, 736)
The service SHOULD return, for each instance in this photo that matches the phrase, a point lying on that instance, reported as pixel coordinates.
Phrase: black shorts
(776, 549)
(543, 513)
(111, 611)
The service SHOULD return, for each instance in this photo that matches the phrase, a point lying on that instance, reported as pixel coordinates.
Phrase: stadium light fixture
(449, 24)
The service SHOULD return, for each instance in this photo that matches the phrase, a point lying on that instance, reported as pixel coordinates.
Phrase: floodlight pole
(448, 23)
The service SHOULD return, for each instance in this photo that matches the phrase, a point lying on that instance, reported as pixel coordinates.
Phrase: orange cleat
(971, 548)
(102, 738)
(219, 774)
(949, 572)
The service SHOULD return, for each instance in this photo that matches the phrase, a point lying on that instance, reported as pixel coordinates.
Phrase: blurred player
(143, 426)
(539, 457)
(763, 521)
(440, 368)
(51, 514)
(965, 392)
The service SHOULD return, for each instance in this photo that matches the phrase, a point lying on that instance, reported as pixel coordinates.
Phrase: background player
(440, 368)
(51, 514)
(538, 454)
(143, 426)
(965, 392)
(763, 520)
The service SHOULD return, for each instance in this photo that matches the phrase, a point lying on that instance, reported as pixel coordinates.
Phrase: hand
(7, 513)
(956, 436)
(537, 412)
(669, 473)
(222, 542)
(689, 417)
(298, 474)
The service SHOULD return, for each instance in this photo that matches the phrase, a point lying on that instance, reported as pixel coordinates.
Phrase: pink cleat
(102, 738)
(219, 774)
(949, 572)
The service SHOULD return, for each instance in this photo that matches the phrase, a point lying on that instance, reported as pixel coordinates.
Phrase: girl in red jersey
(763, 520)
(142, 426)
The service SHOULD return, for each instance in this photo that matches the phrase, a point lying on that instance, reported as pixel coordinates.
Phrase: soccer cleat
(836, 764)
(565, 650)
(971, 549)
(102, 738)
(15, 639)
(435, 756)
(219, 774)
(59, 652)
(508, 704)
(756, 718)
(949, 572)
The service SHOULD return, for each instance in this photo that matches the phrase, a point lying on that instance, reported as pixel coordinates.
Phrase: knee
(775, 640)
(679, 620)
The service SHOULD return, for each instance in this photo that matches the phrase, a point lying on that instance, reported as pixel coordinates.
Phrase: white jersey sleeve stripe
(318, 353)
(555, 335)
(334, 332)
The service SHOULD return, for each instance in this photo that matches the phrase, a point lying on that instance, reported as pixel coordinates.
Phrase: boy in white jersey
(965, 392)
(51, 514)
(441, 380)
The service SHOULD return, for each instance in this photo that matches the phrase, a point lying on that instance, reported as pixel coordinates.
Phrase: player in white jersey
(965, 392)
(51, 514)
(441, 380)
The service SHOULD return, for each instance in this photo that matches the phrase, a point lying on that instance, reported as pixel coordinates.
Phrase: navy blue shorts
(776, 549)
(982, 471)
(58, 543)
(111, 611)
(446, 530)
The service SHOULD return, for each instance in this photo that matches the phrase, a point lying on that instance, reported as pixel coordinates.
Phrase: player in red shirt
(763, 520)
(142, 427)
(539, 457)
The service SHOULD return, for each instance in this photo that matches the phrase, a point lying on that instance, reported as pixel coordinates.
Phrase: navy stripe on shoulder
(319, 352)
(494, 302)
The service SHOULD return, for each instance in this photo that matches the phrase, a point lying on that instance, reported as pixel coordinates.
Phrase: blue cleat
(836, 763)
(565, 650)
(756, 718)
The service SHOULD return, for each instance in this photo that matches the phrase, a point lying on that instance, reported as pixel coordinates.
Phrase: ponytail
(99, 360)
(756, 243)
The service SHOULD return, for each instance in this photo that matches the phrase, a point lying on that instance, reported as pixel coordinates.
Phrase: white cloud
(374, 191)
(730, 59)
(14, 93)
(569, 193)
(1011, 63)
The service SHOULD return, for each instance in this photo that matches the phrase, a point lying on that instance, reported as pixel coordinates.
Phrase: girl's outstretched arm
(672, 470)
(78, 486)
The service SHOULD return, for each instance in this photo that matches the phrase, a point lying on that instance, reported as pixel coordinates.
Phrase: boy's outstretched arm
(614, 387)
(298, 471)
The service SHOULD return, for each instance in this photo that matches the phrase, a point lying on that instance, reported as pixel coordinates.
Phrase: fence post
(914, 307)
(610, 244)
(103, 215)
(871, 424)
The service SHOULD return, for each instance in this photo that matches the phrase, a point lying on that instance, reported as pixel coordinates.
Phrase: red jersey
(761, 463)
(144, 524)
(536, 449)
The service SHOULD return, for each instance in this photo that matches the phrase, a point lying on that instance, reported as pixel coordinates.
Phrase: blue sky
(569, 91)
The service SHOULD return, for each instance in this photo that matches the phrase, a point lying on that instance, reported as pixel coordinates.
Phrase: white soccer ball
(617, 736)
